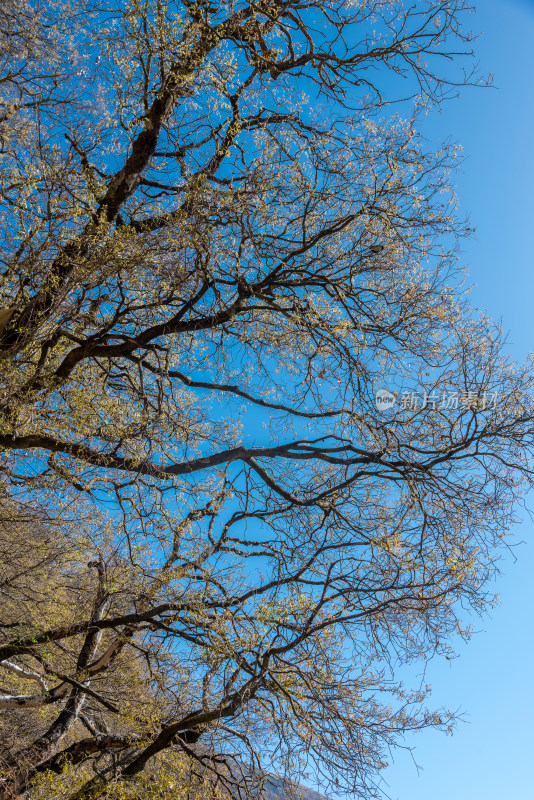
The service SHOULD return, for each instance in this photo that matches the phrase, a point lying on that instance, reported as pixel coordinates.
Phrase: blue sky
(490, 756)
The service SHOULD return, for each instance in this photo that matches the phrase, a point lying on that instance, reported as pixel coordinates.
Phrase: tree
(218, 244)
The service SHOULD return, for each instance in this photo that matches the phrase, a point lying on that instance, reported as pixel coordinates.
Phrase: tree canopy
(223, 241)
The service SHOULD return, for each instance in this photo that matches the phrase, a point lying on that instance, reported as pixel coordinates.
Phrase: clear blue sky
(491, 757)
